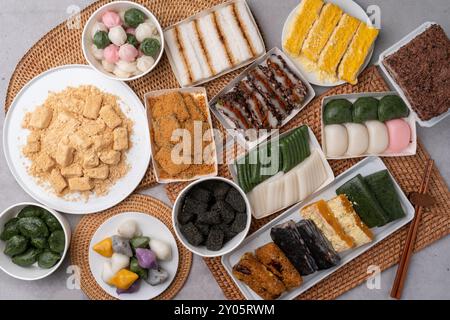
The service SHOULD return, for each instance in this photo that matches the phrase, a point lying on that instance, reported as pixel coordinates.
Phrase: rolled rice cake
(254, 274)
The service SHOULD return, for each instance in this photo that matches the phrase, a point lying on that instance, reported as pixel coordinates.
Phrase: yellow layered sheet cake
(321, 31)
(349, 220)
(307, 13)
(320, 213)
(338, 43)
(357, 52)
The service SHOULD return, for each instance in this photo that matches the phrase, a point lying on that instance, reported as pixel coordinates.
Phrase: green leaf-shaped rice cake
(364, 202)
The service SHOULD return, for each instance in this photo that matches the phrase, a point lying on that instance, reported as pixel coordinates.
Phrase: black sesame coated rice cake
(320, 248)
(287, 237)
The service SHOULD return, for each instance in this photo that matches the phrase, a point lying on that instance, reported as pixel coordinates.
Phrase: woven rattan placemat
(407, 171)
(65, 44)
(62, 46)
(81, 238)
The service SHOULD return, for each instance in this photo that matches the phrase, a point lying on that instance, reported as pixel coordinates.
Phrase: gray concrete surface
(24, 22)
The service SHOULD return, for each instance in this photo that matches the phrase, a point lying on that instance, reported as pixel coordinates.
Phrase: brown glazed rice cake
(253, 273)
(274, 259)
(422, 69)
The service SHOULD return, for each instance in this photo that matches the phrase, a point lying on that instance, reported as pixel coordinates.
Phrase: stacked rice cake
(339, 223)
(212, 43)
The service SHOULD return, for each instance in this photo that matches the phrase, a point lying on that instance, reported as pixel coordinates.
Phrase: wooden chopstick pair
(403, 265)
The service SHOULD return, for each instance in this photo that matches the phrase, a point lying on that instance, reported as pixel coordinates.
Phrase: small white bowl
(33, 272)
(201, 250)
(86, 41)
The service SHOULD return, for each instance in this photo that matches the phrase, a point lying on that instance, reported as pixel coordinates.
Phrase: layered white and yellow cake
(349, 220)
(337, 44)
(329, 42)
(357, 52)
(321, 31)
(324, 219)
(307, 13)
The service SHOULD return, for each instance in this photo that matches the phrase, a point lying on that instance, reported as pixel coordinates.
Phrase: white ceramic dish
(86, 40)
(348, 6)
(150, 227)
(409, 151)
(227, 124)
(201, 250)
(33, 95)
(33, 272)
(196, 90)
(202, 14)
(262, 236)
(313, 145)
(405, 40)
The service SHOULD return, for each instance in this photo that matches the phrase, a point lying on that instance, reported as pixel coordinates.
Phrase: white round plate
(348, 6)
(33, 95)
(150, 227)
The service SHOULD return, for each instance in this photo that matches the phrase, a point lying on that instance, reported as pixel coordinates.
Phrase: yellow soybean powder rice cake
(78, 142)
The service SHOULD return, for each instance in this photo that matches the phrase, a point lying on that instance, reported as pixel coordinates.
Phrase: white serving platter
(411, 120)
(348, 6)
(193, 90)
(227, 124)
(405, 40)
(151, 227)
(262, 236)
(34, 94)
(313, 145)
(202, 14)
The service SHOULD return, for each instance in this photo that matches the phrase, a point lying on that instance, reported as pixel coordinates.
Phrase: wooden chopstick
(403, 265)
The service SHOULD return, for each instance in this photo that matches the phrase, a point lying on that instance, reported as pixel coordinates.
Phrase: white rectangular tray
(405, 40)
(262, 236)
(197, 90)
(228, 125)
(313, 145)
(202, 14)
(411, 120)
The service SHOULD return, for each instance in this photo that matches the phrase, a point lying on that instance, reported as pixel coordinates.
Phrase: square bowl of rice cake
(182, 137)
(213, 42)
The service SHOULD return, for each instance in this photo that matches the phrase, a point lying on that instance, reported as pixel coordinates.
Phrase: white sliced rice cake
(176, 53)
(214, 47)
(197, 44)
(194, 64)
(249, 28)
(233, 35)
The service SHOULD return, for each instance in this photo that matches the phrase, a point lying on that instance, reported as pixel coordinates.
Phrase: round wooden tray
(79, 247)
